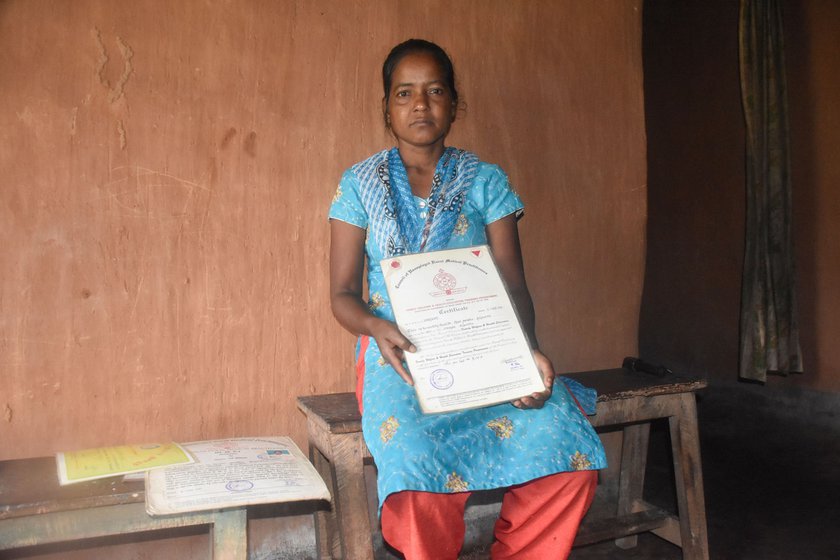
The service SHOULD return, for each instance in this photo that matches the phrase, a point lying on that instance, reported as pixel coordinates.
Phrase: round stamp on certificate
(239, 485)
(441, 379)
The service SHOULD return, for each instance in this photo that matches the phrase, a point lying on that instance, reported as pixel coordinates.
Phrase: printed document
(471, 349)
(102, 462)
(232, 473)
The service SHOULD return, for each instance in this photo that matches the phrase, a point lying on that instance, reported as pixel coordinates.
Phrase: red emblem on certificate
(444, 282)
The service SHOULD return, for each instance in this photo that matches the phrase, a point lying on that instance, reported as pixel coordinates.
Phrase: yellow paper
(102, 462)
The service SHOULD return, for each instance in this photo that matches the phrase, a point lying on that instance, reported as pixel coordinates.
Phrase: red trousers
(538, 519)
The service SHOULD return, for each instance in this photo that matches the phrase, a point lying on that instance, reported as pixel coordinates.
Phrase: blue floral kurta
(477, 449)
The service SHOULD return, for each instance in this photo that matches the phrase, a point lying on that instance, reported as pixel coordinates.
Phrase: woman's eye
(402, 94)
(436, 91)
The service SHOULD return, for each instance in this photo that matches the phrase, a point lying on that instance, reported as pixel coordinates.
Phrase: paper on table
(234, 472)
(471, 349)
(102, 462)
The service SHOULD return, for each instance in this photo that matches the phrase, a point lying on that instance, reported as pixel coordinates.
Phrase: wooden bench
(35, 510)
(627, 401)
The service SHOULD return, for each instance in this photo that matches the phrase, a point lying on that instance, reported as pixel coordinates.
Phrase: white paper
(234, 472)
(471, 349)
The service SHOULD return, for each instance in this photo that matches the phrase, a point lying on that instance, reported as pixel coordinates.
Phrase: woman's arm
(503, 236)
(347, 261)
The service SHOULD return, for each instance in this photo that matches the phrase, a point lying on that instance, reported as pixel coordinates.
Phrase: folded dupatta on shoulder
(396, 225)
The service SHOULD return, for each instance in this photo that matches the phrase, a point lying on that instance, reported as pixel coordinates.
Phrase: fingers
(404, 344)
(546, 369)
(534, 400)
(537, 400)
(394, 355)
(548, 380)
(400, 369)
(393, 345)
(387, 334)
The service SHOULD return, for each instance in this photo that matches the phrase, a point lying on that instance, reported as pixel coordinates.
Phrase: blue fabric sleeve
(499, 198)
(347, 202)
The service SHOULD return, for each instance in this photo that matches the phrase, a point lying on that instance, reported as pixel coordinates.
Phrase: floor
(772, 484)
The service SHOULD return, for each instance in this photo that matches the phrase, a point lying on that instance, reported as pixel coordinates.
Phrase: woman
(421, 196)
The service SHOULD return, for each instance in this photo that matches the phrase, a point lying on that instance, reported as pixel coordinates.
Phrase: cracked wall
(167, 169)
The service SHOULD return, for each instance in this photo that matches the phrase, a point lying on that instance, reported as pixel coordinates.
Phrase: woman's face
(420, 108)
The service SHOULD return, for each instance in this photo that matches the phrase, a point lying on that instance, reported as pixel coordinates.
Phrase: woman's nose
(421, 102)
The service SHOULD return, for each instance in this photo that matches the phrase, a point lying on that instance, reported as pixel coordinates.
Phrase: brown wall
(813, 64)
(690, 306)
(167, 168)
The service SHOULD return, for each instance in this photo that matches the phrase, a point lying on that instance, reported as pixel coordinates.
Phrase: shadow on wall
(690, 303)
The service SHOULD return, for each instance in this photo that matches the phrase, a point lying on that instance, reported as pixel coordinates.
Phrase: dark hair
(413, 46)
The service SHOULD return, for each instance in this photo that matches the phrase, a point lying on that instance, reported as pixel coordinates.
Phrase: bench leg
(350, 498)
(339, 459)
(230, 535)
(326, 545)
(685, 442)
(634, 449)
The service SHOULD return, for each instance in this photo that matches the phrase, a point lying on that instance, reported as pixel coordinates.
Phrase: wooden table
(626, 401)
(35, 510)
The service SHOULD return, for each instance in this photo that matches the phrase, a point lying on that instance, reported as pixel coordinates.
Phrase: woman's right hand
(347, 260)
(392, 345)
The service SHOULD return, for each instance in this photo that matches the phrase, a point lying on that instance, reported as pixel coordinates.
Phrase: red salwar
(538, 519)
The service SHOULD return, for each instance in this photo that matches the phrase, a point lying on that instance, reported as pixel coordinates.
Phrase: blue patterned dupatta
(395, 222)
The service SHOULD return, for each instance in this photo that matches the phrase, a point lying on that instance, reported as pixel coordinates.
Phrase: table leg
(634, 450)
(685, 441)
(230, 534)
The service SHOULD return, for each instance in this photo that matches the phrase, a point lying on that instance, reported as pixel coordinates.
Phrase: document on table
(471, 349)
(102, 462)
(234, 472)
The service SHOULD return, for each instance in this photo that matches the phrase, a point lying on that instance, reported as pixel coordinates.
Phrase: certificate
(471, 349)
(232, 473)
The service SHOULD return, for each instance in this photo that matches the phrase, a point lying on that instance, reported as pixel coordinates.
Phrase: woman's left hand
(537, 400)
